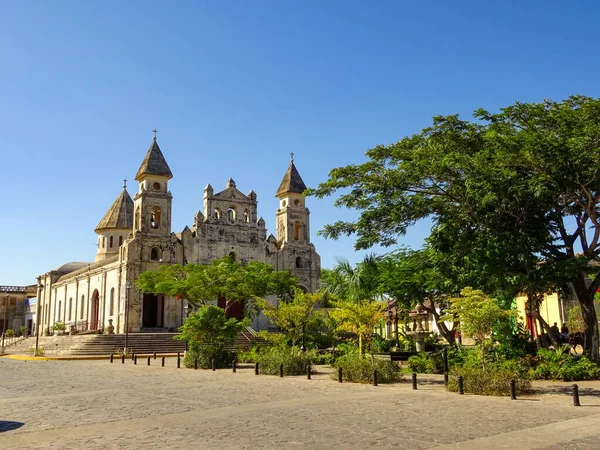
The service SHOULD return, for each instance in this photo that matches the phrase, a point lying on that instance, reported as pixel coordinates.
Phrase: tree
(478, 315)
(524, 178)
(352, 283)
(222, 279)
(360, 318)
(295, 317)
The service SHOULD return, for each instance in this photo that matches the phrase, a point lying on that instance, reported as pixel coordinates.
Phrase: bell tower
(292, 215)
(152, 202)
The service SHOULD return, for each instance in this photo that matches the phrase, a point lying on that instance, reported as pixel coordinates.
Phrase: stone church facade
(135, 235)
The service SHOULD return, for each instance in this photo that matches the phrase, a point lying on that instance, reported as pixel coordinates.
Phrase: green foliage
(23, 329)
(421, 363)
(359, 318)
(249, 356)
(10, 333)
(352, 284)
(294, 361)
(493, 380)
(59, 326)
(575, 320)
(360, 370)
(210, 335)
(223, 278)
(560, 365)
(40, 351)
(381, 345)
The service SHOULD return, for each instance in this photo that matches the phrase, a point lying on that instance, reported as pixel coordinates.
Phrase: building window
(297, 230)
(103, 242)
(70, 308)
(137, 218)
(81, 307)
(59, 309)
(247, 216)
(231, 214)
(218, 213)
(111, 305)
(154, 254)
(299, 263)
(120, 240)
(232, 256)
(110, 242)
(155, 218)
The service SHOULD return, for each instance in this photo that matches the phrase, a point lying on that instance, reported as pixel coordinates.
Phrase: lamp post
(4, 323)
(187, 309)
(37, 319)
(302, 348)
(127, 287)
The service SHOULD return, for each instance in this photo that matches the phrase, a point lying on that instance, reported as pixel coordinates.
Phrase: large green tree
(525, 178)
(222, 279)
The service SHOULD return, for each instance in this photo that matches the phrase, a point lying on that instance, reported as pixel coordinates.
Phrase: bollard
(445, 359)
(280, 370)
(513, 390)
(461, 389)
(375, 377)
(178, 362)
(111, 358)
(414, 381)
(233, 365)
(134, 360)
(163, 361)
(195, 364)
(123, 358)
(178, 354)
(148, 359)
(154, 355)
(213, 365)
(133, 356)
(576, 395)
(446, 379)
(256, 368)
(339, 374)
(308, 372)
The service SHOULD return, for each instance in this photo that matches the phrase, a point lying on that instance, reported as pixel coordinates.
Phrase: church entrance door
(94, 325)
(152, 312)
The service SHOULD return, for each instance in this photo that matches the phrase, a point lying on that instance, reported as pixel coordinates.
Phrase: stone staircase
(105, 344)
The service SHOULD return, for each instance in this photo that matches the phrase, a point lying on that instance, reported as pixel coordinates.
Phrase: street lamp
(302, 348)
(4, 323)
(128, 287)
(187, 309)
(37, 318)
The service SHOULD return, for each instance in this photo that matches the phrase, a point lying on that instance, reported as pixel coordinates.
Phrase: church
(135, 235)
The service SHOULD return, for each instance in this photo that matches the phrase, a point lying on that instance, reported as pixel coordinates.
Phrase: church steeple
(292, 215)
(114, 227)
(292, 181)
(154, 163)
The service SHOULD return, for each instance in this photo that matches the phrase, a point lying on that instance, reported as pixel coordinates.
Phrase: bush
(294, 361)
(59, 326)
(10, 333)
(205, 354)
(492, 380)
(249, 356)
(420, 363)
(554, 365)
(360, 370)
(381, 345)
(40, 351)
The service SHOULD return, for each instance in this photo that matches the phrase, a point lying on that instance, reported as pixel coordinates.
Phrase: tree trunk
(447, 334)
(590, 321)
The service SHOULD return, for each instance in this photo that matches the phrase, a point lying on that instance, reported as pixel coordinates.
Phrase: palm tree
(353, 284)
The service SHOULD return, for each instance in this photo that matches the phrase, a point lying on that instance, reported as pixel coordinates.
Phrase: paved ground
(96, 405)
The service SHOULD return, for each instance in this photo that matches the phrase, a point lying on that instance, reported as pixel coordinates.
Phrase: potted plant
(59, 328)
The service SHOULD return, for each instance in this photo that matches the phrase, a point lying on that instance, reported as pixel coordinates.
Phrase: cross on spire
(155, 131)
(124, 183)
(292, 157)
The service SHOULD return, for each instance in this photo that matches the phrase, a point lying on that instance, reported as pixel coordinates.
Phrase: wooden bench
(401, 356)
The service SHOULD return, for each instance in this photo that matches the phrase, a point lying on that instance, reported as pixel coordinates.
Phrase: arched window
(103, 242)
(297, 227)
(98, 244)
(247, 216)
(154, 254)
(110, 242)
(299, 263)
(231, 214)
(137, 218)
(59, 309)
(70, 307)
(81, 307)
(120, 240)
(218, 213)
(155, 218)
(232, 255)
(111, 304)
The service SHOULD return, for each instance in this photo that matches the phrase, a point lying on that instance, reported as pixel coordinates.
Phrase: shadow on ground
(565, 390)
(9, 426)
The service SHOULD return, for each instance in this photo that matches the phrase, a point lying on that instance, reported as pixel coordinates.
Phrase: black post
(163, 361)
(461, 389)
(134, 360)
(123, 358)
(178, 354)
(233, 365)
(148, 359)
(280, 370)
(375, 377)
(154, 355)
(308, 372)
(414, 381)
(111, 358)
(256, 368)
(133, 356)
(445, 358)
(178, 361)
(213, 365)
(513, 390)
(339, 374)
(576, 395)
(196, 364)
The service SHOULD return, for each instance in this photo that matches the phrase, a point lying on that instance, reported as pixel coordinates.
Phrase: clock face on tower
(156, 186)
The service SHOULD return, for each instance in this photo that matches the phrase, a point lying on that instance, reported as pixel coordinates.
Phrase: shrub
(59, 326)
(555, 366)
(10, 333)
(40, 351)
(420, 363)
(249, 356)
(294, 361)
(205, 354)
(492, 380)
(360, 370)
(381, 345)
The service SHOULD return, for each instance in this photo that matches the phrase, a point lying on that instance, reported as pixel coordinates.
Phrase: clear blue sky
(235, 86)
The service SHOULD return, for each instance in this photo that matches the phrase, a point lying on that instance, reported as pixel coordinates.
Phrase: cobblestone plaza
(98, 405)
